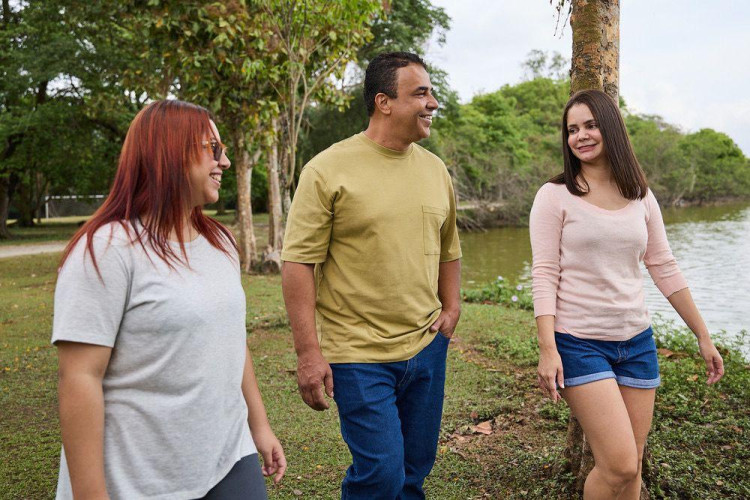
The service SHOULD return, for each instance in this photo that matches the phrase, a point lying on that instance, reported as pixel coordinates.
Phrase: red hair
(152, 182)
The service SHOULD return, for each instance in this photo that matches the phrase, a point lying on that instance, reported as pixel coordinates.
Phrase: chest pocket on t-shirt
(432, 221)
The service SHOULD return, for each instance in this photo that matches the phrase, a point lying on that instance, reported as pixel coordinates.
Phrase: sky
(686, 60)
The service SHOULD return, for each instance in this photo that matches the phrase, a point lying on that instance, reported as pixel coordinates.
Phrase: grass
(57, 229)
(698, 440)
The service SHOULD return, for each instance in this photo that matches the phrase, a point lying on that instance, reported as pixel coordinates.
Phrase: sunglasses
(217, 148)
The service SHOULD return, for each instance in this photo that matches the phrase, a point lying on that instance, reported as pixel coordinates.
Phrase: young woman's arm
(683, 303)
(545, 229)
(80, 372)
(550, 368)
(269, 447)
(662, 266)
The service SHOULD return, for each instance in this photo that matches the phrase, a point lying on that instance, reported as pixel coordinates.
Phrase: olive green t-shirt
(377, 223)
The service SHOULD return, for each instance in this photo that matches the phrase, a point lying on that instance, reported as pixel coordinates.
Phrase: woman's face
(584, 136)
(205, 174)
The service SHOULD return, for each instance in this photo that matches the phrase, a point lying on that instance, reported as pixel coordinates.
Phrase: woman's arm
(550, 369)
(80, 372)
(269, 447)
(683, 303)
(662, 266)
(545, 229)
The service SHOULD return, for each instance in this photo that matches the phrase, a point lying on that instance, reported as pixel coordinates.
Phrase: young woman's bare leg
(640, 405)
(600, 409)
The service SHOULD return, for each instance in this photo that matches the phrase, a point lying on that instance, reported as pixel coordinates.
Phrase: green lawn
(699, 439)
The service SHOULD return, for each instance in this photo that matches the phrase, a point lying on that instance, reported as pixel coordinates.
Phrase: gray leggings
(244, 482)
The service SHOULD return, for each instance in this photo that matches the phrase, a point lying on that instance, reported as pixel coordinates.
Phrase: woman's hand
(550, 373)
(269, 447)
(714, 362)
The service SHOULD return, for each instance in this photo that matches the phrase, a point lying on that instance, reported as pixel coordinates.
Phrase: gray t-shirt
(175, 419)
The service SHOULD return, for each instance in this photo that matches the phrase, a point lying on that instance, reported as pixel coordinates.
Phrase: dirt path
(31, 249)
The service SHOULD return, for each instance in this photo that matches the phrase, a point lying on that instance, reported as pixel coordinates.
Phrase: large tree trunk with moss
(244, 164)
(272, 255)
(596, 46)
(595, 65)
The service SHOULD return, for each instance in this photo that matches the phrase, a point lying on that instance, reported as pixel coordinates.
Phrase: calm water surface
(711, 244)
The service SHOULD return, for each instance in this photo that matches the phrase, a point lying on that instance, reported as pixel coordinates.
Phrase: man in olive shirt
(373, 225)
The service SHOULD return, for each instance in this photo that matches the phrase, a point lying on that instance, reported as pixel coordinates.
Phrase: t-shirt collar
(384, 150)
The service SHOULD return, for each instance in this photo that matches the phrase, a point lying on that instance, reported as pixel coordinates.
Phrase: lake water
(711, 244)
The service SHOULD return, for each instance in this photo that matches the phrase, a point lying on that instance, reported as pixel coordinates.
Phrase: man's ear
(383, 103)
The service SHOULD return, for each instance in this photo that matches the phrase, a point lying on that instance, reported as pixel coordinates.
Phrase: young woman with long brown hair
(591, 226)
(158, 397)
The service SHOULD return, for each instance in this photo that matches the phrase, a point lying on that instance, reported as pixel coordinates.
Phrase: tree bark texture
(244, 170)
(286, 168)
(596, 46)
(4, 205)
(578, 453)
(272, 255)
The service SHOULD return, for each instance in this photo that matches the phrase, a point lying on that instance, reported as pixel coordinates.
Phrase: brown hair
(627, 172)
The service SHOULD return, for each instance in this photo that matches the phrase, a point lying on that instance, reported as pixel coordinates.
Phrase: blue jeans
(390, 418)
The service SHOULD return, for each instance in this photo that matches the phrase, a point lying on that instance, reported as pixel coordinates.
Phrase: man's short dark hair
(380, 76)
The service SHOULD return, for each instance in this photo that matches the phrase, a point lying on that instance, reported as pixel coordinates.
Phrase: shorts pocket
(432, 220)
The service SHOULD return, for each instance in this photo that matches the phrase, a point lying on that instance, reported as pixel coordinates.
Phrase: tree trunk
(221, 207)
(272, 255)
(25, 199)
(596, 46)
(244, 168)
(286, 169)
(4, 205)
(578, 453)
(595, 65)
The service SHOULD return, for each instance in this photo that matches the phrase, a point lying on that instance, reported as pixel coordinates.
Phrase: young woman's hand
(550, 373)
(714, 362)
(269, 447)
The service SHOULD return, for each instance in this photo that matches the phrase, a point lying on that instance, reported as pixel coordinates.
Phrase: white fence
(62, 206)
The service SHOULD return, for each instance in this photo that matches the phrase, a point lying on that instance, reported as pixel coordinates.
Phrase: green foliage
(501, 292)
(699, 167)
(501, 146)
(717, 164)
(64, 101)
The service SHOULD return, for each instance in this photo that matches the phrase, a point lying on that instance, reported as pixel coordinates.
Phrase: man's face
(412, 110)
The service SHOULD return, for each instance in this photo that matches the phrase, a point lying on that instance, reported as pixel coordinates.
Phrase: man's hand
(446, 322)
(313, 371)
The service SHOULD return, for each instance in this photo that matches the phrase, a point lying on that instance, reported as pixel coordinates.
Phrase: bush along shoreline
(503, 292)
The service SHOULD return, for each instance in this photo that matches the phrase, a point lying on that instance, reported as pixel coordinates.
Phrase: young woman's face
(205, 174)
(584, 137)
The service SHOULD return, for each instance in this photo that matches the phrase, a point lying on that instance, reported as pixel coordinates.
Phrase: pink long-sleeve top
(586, 259)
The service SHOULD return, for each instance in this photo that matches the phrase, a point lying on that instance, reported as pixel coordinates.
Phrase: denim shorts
(631, 362)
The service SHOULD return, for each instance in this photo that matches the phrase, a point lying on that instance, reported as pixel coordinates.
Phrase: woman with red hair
(158, 397)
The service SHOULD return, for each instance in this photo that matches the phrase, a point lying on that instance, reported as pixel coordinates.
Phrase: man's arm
(449, 284)
(313, 371)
